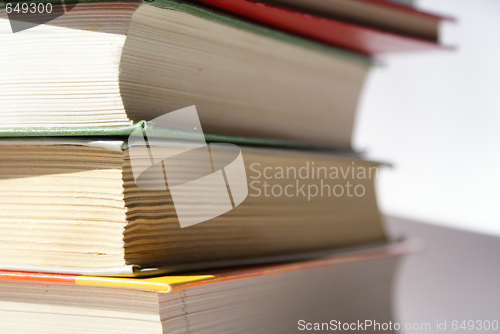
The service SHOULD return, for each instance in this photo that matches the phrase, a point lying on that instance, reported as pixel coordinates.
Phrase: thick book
(119, 62)
(358, 37)
(75, 205)
(353, 287)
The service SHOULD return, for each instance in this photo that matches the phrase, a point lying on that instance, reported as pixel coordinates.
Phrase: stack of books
(169, 166)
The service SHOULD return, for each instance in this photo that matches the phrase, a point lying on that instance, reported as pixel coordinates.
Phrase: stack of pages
(170, 166)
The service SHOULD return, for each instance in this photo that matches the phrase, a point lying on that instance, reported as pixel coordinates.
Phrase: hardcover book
(372, 28)
(118, 62)
(329, 292)
(75, 204)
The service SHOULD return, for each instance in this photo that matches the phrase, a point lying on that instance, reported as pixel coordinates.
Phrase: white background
(436, 116)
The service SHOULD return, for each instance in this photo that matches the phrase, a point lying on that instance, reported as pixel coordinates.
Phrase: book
(74, 204)
(382, 15)
(119, 62)
(409, 3)
(355, 37)
(344, 288)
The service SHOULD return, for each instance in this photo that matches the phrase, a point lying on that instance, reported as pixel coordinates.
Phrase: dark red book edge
(348, 36)
(409, 9)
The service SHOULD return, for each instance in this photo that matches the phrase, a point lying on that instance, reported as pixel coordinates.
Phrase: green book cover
(155, 131)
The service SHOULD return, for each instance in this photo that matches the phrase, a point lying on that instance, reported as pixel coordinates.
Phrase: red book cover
(349, 36)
